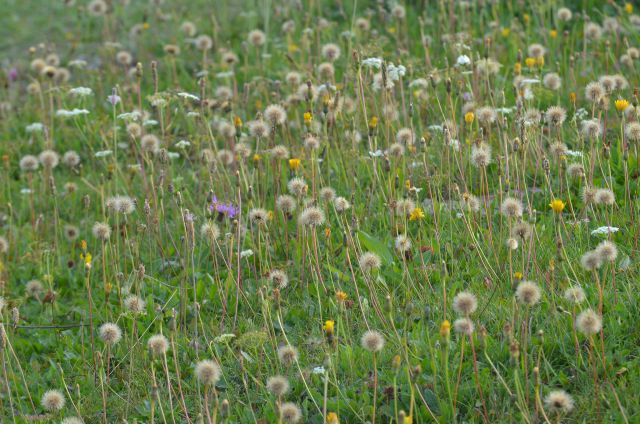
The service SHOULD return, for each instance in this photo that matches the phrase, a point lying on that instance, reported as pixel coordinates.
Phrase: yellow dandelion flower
(517, 68)
(308, 117)
(341, 296)
(237, 121)
(329, 326)
(628, 7)
(373, 122)
(257, 157)
(332, 418)
(445, 328)
(506, 32)
(621, 104)
(518, 275)
(553, 33)
(397, 360)
(572, 97)
(146, 26)
(408, 419)
(526, 18)
(416, 215)
(294, 164)
(469, 117)
(530, 62)
(557, 205)
(292, 48)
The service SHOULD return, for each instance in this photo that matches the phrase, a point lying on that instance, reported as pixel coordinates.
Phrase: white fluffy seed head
(528, 293)
(558, 402)
(53, 400)
(465, 303)
(372, 341)
(278, 385)
(110, 333)
(208, 372)
(312, 217)
(158, 344)
(589, 322)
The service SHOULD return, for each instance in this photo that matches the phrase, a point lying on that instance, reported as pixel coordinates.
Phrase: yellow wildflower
(332, 418)
(518, 275)
(553, 33)
(397, 360)
(469, 117)
(557, 205)
(445, 328)
(506, 32)
(308, 117)
(540, 61)
(237, 121)
(373, 122)
(621, 104)
(416, 214)
(341, 296)
(628, 7)
(572, 97)
(517, 68)
(294, 164)
(530, 62)
(329, 326)
(257, 157)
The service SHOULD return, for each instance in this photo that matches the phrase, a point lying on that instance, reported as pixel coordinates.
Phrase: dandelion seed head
(101, 231)
(589, 322)
(278, 385)
(369, 262)
(110, 333)
(312, 217)
(290, 413)
(591, 260)
(208, 372)
(158, 344)
(575, 294)
(558, 401)
(279, 278)
(528, 293)
(287, 354)
(53, 400)
(464, 326)
(465, 303)
(511, 207)
(372, 341)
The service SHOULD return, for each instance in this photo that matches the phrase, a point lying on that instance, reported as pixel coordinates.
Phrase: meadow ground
(319, 211)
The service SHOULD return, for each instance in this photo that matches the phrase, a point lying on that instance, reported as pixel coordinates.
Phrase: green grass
(215, 300)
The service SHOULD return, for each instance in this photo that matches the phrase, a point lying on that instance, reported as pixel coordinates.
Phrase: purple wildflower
(114, 99)
(12, 75)
(223, 209)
